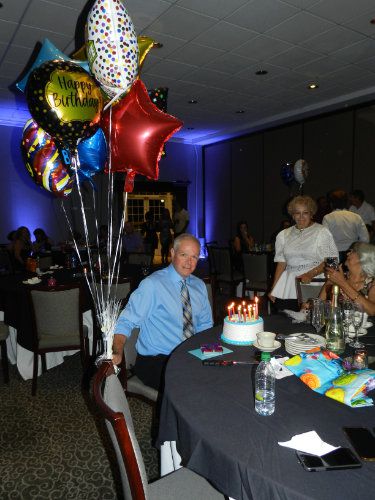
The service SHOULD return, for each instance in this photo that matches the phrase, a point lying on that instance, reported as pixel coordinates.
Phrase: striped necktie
(188, 328)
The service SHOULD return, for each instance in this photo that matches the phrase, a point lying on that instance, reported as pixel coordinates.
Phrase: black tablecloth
(209, 412)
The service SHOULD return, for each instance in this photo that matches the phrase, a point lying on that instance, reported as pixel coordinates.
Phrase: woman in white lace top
(300, 252)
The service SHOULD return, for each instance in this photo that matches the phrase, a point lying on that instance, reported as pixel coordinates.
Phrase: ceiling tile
(182, 23)
(347, 74)
(357, 51)
(13, 11)
(28, 36)
(16, 53)
(294, 57)
(170, 43)
(302, 4)
(171, 68)
(229, 63)
(225, 36)
(195, 54)
(7, 29)
(3, 48)
(144, 12)
(217, 8)
(362, 24)
(299, 27)
(262, 47)
(332, 40)
(261, 15)
(342, 11)
(73, 4)
(320, 66)
(368, 64)
(206, 77)
(252, 68)
(11, 69)
(44, 15)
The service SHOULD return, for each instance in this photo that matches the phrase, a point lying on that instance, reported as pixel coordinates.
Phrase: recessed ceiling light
(240, 111)
(313, 86)
(192, 101)
(157, 45)
(261, 72)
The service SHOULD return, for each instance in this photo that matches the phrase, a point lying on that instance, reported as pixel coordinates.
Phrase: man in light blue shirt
(156, 308)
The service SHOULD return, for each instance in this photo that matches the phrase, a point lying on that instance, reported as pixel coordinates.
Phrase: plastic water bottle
(265, 386)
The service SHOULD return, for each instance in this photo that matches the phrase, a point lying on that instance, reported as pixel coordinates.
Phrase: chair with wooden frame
(57, 324)
(183, 484)
(256, 274)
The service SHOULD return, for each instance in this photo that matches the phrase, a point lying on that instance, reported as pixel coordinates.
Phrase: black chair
(306, 291)
(142, 259)
(210, 285)
(182, 484)
(6, 264)
(57, 324)
(4, 332)
(256, 274)
(221, 268)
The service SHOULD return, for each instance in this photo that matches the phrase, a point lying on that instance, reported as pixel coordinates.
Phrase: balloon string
(117, 96)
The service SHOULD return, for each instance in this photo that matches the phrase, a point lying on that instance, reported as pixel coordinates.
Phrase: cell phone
(363, 441)
(342, 458)
(332, 262)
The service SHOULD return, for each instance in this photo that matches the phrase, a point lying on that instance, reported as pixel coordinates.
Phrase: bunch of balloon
(159, 97)
(301, 172)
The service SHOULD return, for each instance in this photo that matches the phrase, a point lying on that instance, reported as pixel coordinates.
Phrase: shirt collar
(175, 277)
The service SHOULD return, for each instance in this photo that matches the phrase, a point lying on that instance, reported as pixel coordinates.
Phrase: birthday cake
(240, 332)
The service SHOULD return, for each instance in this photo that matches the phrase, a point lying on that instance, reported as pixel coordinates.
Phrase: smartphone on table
(341, 458)
(363, 441)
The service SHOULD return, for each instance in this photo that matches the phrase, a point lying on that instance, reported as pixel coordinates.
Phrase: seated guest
(323, 209)
(21, 248)
(132, 240)
(357, 283)
(243, 242)
(346, 227)
(360, 206)
(300, 251)
(42, 243)
(168, 306)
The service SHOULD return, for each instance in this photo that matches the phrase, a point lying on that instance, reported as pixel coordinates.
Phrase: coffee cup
(266, 339)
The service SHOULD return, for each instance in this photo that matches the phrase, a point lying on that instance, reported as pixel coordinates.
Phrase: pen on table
(228, 362)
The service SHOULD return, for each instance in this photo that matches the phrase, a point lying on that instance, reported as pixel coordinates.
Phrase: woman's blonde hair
(302, 200)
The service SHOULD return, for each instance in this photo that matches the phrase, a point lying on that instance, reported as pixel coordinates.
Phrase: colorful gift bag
(322, 371)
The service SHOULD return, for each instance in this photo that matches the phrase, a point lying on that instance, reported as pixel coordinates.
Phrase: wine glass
(317, 314)
(356, 320)
(346, 307)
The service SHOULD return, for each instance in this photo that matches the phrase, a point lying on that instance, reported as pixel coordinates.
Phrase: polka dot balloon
(111, 46)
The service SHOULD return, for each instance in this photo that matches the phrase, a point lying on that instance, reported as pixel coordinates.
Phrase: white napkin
(32, 281)
(280, 370)
(297, 317)
(309, 442)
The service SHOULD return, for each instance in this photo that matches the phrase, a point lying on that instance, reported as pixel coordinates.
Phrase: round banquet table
(209, 413)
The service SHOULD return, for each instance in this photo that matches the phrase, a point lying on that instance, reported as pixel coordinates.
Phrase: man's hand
(118, 348)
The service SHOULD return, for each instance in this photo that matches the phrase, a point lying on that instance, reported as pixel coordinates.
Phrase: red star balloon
(138, 133)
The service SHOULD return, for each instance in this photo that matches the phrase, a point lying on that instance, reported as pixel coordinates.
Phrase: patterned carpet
(53, 446)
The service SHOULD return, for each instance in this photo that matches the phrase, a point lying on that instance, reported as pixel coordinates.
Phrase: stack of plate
(295, 345)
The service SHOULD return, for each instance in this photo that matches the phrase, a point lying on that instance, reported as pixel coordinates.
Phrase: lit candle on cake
(229, 313)
(256, 308)
(239, 313)
(249, 311)
(244, 314)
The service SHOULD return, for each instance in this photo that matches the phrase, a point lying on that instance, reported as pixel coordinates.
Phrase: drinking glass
(357, 320)
(346, 307)
(317, 314)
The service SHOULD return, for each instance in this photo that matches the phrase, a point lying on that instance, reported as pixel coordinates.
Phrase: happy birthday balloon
(139, 131)
(48, 52)
(43, 160)
(64, 100)
(111, 46)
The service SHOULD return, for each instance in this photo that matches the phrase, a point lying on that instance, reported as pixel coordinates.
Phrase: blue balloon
(49, 52)
(287, 173)
(92, 153)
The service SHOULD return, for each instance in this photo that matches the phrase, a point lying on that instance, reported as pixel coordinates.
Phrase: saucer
(276, 345)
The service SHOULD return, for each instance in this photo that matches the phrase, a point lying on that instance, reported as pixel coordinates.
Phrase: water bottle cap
(265, 356)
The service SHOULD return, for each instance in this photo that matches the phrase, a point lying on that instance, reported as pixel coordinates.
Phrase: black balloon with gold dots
(64, 100)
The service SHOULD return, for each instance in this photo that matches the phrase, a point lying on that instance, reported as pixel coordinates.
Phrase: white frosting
(241, 332)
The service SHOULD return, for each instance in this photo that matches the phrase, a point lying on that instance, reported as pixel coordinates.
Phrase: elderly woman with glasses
(357, 284)
(300, 251)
